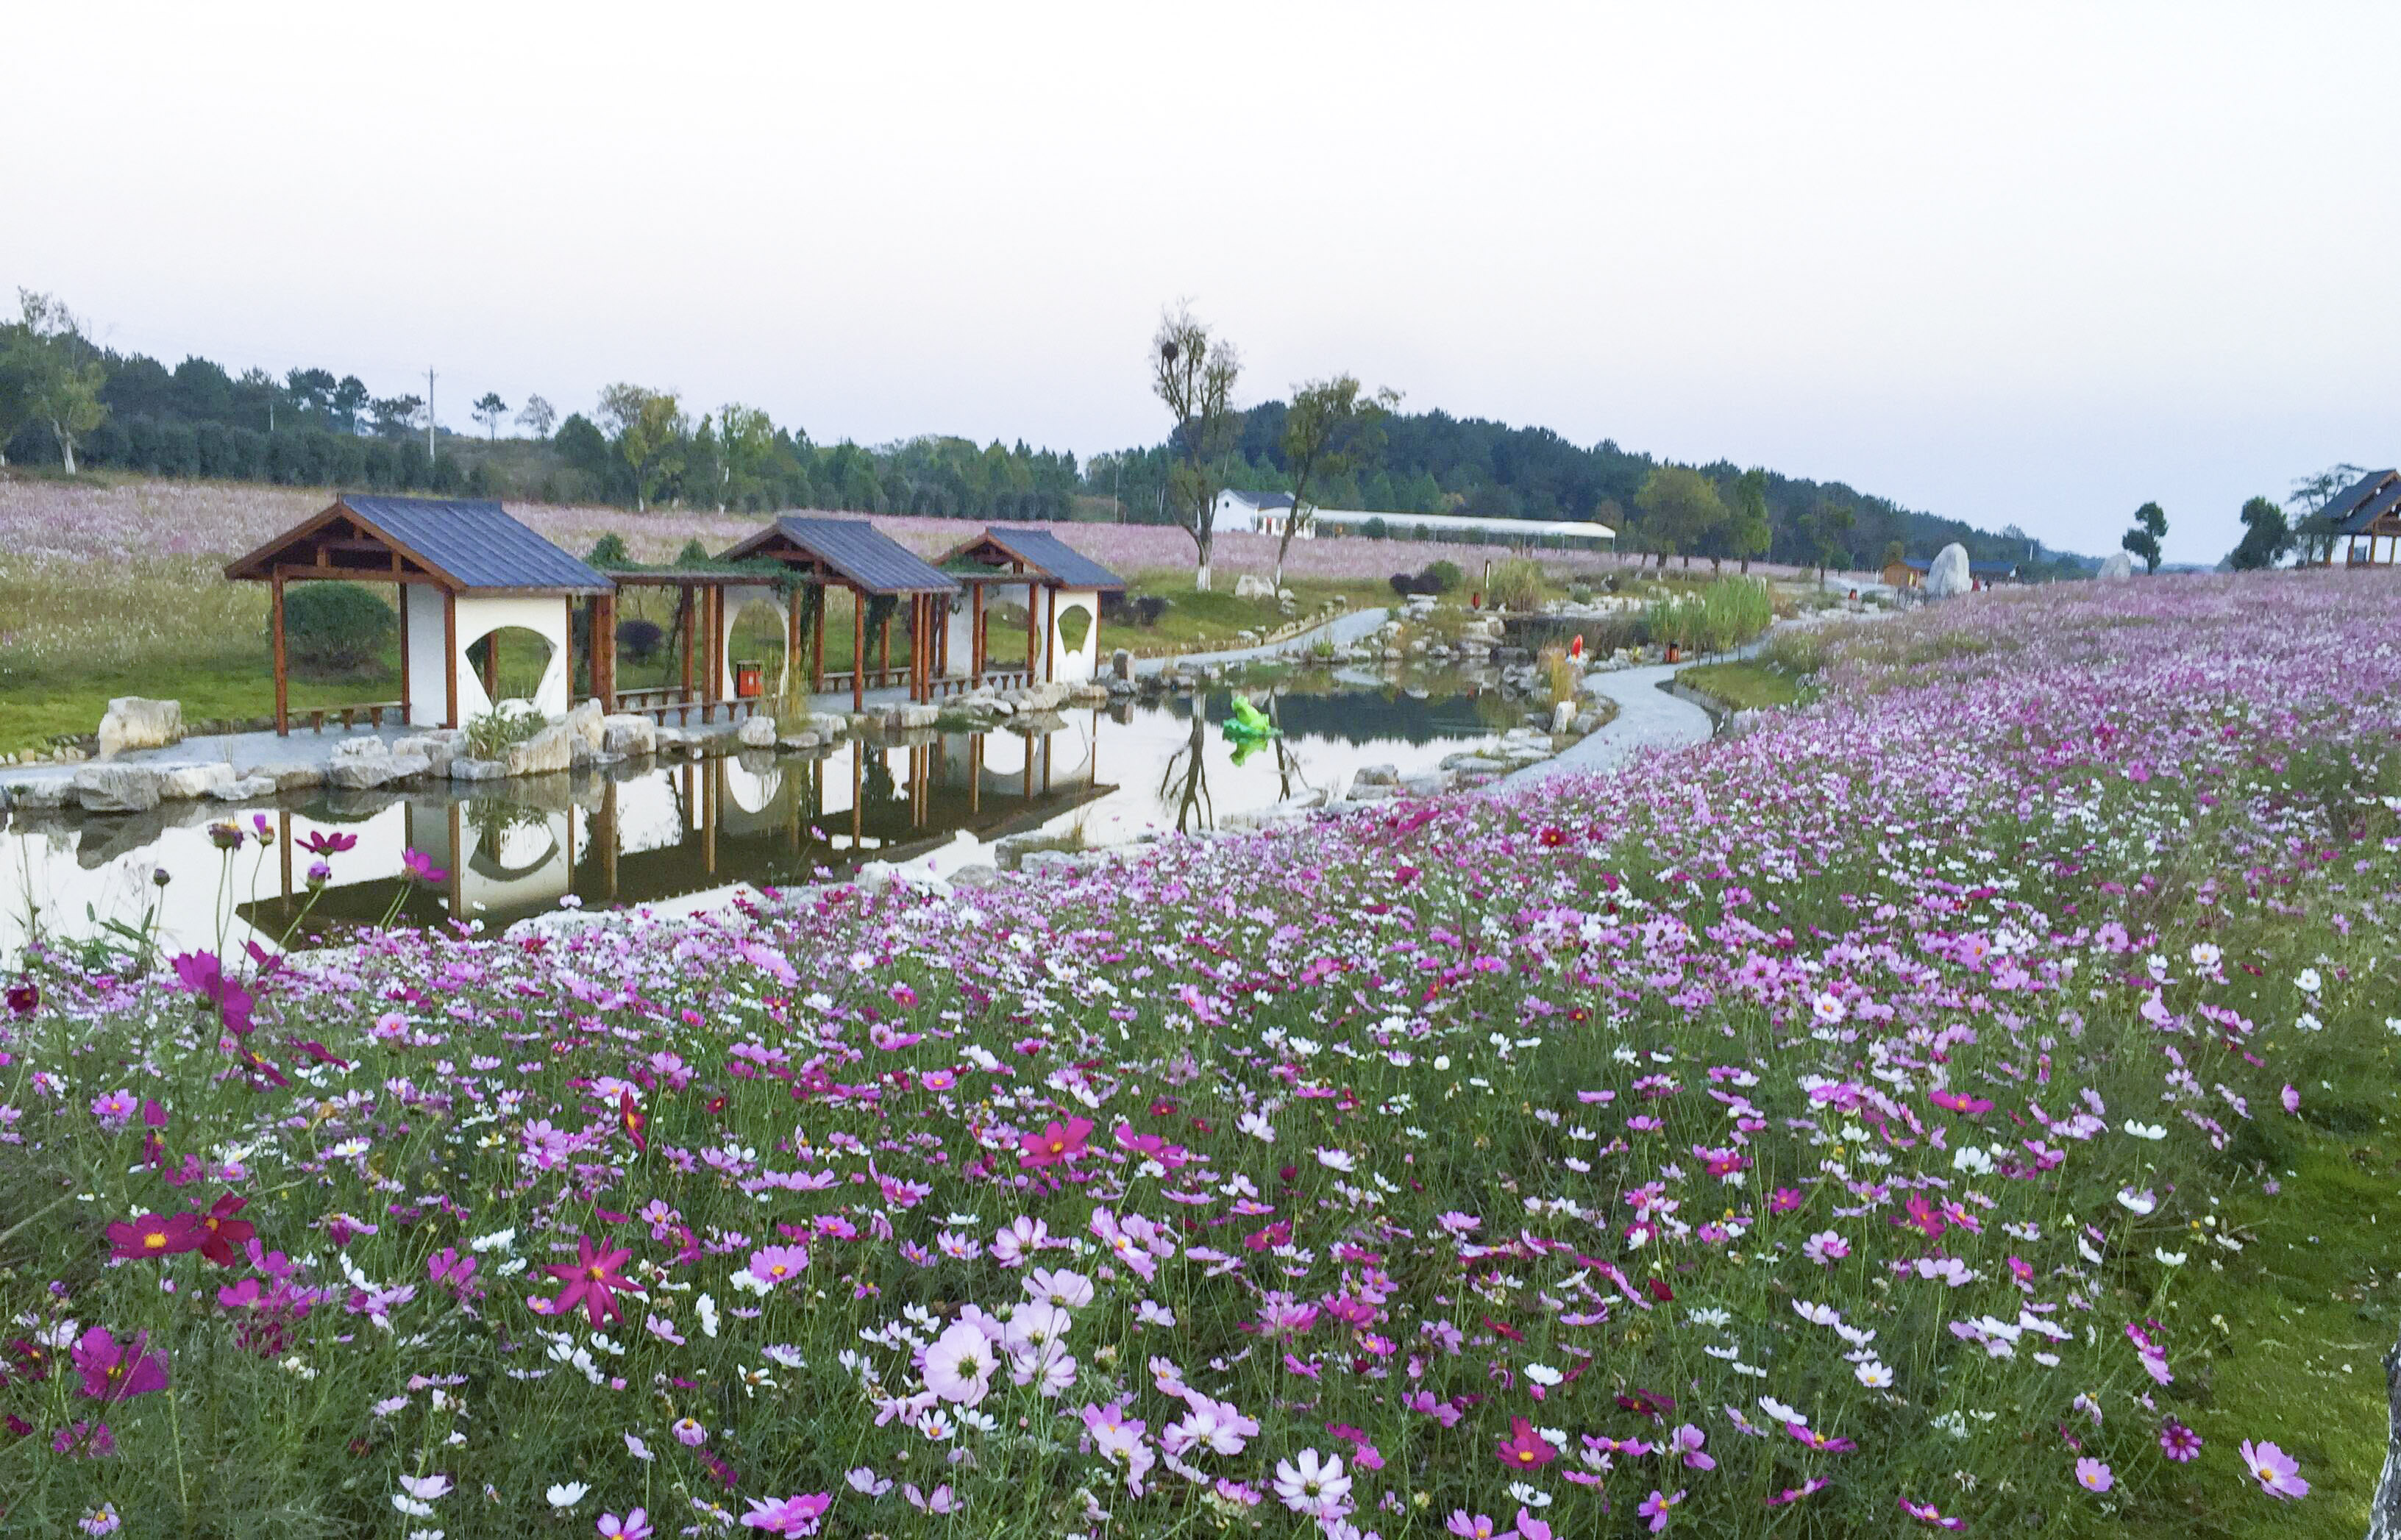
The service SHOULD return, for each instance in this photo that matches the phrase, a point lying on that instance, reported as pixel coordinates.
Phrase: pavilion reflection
(516, 848)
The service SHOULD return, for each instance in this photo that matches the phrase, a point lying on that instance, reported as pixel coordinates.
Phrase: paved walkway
(244, 751)
(1647, 717)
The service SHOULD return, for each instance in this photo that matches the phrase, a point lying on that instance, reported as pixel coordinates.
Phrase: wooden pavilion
(465, 569)
(2369, 510)
(853, 554)
(1056, 580)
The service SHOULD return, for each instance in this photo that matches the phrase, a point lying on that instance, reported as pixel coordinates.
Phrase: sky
(2013, 264)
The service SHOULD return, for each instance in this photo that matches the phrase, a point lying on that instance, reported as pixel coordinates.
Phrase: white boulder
(1949, 575)
(1250, 587)
(551, 750)
(629, 732)
(134, 722)
(116, 788)
(2117, 567)
(757, 732)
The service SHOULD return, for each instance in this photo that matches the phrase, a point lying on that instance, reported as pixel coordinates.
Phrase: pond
(664, 831)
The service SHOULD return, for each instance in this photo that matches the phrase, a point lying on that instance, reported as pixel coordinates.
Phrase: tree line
(67, 400)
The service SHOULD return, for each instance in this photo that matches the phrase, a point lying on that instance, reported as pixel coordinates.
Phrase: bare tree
(537, 417)
(1193, 374)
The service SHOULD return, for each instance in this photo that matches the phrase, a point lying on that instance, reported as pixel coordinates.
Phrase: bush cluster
(334, 626)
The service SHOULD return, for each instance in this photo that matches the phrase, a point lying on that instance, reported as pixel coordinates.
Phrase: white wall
(736, 599)
(1082, 664)
(478, 618)
(1234, 513)
(429, 697)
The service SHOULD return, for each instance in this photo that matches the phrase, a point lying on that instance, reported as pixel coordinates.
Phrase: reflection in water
(670, 830)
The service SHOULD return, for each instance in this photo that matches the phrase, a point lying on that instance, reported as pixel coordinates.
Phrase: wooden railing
(372, 712)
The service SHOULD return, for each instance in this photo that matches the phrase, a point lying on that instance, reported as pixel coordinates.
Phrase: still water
(672, 830)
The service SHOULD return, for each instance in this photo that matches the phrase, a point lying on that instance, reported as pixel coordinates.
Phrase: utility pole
(429, 420)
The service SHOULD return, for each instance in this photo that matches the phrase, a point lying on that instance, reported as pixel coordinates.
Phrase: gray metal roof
(1039, 548)
(2343, 503)
(2375, 507)
(476, 542)
(860, 552)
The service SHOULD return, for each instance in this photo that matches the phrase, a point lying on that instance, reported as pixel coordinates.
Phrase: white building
(1268, 513)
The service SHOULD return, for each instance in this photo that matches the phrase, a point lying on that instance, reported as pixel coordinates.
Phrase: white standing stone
(134, 722)
(2117, 567)
(1949, 575)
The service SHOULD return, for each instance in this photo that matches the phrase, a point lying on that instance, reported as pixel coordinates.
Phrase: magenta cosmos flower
(113, 1371)
(1058, 1141)
(2178, 1442)
(2274, 1469)
(1523, 1449)
(593, 1281)
(1926, 1513)
(1656, 1507)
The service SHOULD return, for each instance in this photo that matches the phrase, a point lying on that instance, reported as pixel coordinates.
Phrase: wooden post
(792, 640)
(975, 632)
(407, 696)
(451, 660)
(275, 632)
(1033, 616)
(816, 666)
(566, 657)
(492, 668)
(858, 651)
(686, 613)
(1050, 638)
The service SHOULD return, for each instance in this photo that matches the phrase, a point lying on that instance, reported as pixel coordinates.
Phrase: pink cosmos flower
(2274, 1469)
(2094, 1476)
(791, 1517)
(2178, 1442)
(1926, 1513)
(635, 1525)
(1478, 1526)
(959, 1366)
(1655, 1508)
(775, 1264)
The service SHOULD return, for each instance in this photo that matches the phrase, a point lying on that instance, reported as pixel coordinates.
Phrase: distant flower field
(1904, 1115)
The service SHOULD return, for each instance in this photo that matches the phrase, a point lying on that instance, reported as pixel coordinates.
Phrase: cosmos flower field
(1904, 1116)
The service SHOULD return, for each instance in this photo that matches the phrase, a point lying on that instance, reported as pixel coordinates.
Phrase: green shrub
(693, 554)
(335, 626)
(609, 550)
(1725, 614)
(1515, 584)
(1440, 577)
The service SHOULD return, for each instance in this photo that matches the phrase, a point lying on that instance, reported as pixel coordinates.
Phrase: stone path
(243, 751)
(1647, 717)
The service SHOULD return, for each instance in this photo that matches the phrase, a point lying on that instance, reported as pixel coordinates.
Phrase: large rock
(359, 771)
(1949, 576)
(2117, 567)
(1121, 664)
(249, 788)
(43, 791)
(437, 749)
(551, 750)
(757, 732)
(464, 768)
(134, 722)
(189, 783)
(586, 722)
(629, 732)
(1250, 587)
(1563, 716)
(116, 788)
(1042, 696)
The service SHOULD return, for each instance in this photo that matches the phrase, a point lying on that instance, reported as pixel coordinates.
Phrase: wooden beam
(275, 631)
(407, 695)
(566, 663)
(857, 654)
(687, 618)
(817, 655)
(450, 662)
(1033, 617)
(1049, 654)
(792, 640)
(975, 632)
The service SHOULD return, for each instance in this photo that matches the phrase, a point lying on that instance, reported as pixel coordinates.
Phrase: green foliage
(2266, 537)
(335, 626)
(491, 735)
(693, 554)
(609, 550)
(1725, 614)
(1681, 510)
(1515, 584)
(1443, 577)
(2143, 540)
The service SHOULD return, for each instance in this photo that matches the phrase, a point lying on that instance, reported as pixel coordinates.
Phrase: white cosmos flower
(1543, 1374)
(1336, 1160)
(2139, 1202)
(1780, 1413)
(566, 1495)
(2167, 1257)
(2146, 1130)
(1873, 1375)
(2307, 981)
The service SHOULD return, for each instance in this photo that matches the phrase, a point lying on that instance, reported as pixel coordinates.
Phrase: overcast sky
(2007, 262)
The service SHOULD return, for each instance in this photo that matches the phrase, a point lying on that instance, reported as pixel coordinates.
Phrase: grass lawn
(1745, 685)
(1205, 621)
